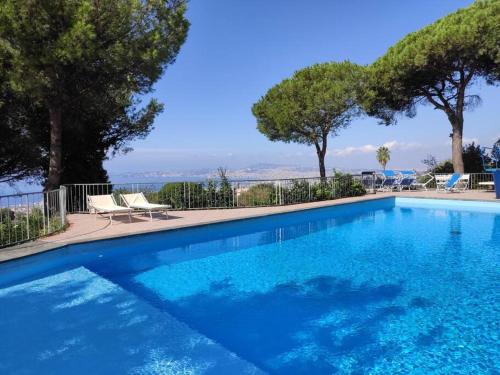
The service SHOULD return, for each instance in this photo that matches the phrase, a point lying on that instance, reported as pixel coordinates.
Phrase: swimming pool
(387, 286)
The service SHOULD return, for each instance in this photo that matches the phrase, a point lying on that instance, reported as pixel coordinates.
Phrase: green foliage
(299, 192)
(6, 214)
(339, 186)
(496, 150)
(357, 189)
(429, 64)
(472, 159)
(225, 194)
(344, 185)
(437, 65)
(314, 103)
(323, 190)
(348, 187)
(16, 226)
(258, 195)
(211, 193)
(383, 156)
(22, 140)
(181, 195)
(86, 62)
(445, 166)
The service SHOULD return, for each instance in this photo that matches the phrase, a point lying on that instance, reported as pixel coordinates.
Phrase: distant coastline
(253, 172)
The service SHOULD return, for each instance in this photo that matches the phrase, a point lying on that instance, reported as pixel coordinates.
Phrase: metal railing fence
(25, 217)
(223, 194)
(28, 216)
(242, 193)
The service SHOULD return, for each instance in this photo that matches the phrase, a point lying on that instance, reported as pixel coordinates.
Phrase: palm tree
(383, 156)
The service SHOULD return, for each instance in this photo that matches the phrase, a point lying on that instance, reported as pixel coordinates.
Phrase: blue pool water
(390, 286)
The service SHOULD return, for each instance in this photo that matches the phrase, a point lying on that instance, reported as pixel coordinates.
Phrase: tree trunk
(456, 145)
(322, 169)
(321, 152)
(55, 154)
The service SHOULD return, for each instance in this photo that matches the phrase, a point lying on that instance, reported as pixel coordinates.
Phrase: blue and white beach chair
(408, 179)
(390, 180)
(457, 183)
(441, 180)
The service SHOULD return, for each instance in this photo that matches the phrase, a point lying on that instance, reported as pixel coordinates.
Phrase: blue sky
(236, 50)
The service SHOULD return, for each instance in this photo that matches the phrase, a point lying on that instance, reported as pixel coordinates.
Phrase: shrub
(6, 214)
(346, 186)
(17, 226)
(258, 195)
(299, 192)
(322, 190)
(218, 194)
(357, 189)
(443, 167)
(181, 195)
(225, 194)
(211, 194)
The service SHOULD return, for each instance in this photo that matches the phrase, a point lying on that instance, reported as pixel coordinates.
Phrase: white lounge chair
(423, 185)
(139, 202)
(487, 184)
(106, 204)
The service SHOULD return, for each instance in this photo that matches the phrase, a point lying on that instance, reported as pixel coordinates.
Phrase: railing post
(282, 193)
(234, 194)
(27, 216)
(62, 204)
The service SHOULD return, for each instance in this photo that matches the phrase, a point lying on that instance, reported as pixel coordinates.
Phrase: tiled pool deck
(84, 227)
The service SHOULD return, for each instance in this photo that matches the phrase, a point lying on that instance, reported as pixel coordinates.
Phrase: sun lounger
(441, 181)
(106, 204)
(462, 184)
(457, 183)
(487, 184)
(423, 185)
(139, 202)
(408, 179)
(390, 180)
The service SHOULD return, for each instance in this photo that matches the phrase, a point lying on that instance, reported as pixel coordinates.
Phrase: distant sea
(145, 179)
(19, 187)
(25, 187)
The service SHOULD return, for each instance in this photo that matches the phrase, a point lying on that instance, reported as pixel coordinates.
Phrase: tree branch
(449, 78)
(446, 104)
(430, 98)
(469, 77)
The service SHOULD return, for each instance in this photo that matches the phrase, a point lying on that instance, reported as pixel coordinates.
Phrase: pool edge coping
(40, 246)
